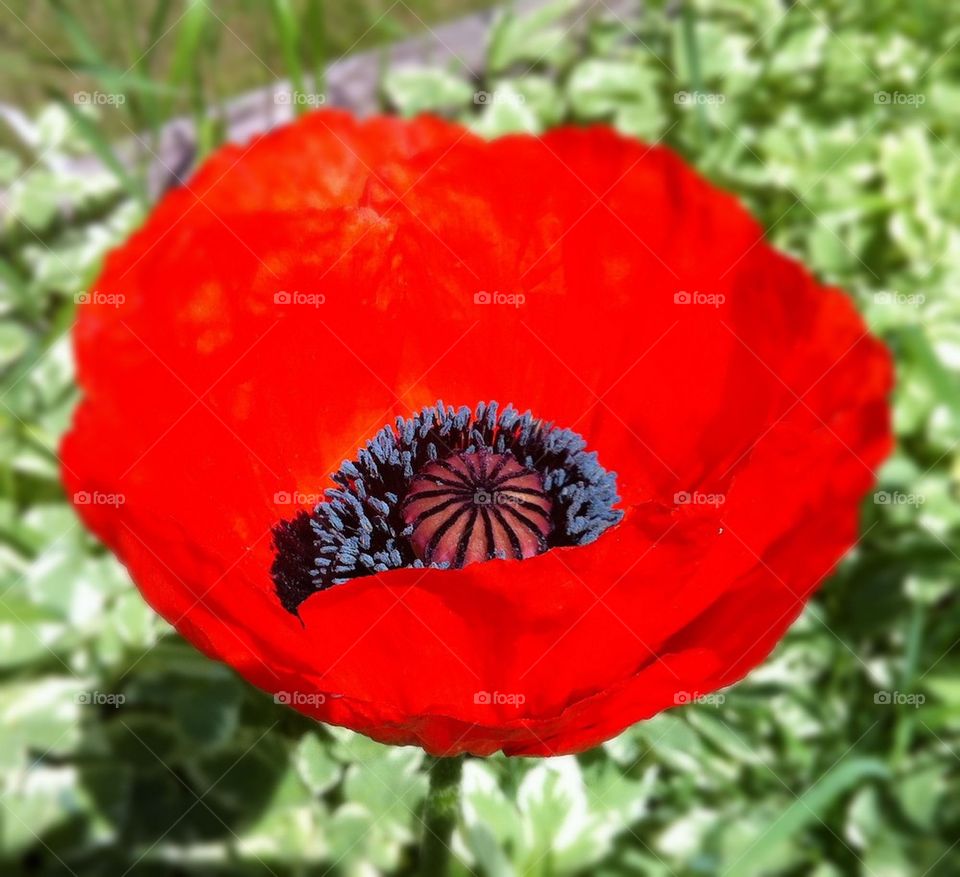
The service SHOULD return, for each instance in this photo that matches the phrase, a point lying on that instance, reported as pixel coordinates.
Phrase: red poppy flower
(701, 421)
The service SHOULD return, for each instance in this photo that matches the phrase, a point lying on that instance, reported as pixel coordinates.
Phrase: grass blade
(288, 32)
(810, 807)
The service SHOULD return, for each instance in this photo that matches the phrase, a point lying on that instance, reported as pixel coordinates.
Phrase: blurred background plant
(124, 751)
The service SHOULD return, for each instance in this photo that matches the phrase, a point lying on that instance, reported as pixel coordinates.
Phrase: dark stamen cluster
(364, 525)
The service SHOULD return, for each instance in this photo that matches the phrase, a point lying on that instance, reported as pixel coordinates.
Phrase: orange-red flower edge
(304, 290)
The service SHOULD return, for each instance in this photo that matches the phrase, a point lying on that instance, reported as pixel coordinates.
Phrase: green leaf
(35, 801)
(534, 38)
(414, 90)
(504, 111)
(391, 782)
(491, 823)
(920, 794)
(207, 712)
(907, 163)
(625, 91)
(315, 766)
(14, 342)
(10, 166)
(41, 714)
(35, 198)
(560, 834)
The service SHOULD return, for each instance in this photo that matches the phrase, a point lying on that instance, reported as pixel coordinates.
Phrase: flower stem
(441, 809)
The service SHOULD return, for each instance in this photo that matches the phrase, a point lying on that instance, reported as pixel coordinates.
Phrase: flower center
(446, 487)
(477, 506)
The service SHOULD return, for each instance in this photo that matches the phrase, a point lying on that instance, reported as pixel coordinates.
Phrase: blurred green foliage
(179, 50)
(124, 751)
